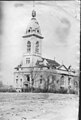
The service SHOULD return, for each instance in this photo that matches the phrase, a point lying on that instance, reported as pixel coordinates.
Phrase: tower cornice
(38, 36)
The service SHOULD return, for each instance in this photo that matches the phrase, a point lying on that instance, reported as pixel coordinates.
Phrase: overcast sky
(60, 27)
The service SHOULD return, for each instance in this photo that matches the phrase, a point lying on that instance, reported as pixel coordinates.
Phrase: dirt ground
(38, 106)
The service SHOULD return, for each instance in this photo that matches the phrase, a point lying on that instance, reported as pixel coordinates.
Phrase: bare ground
(38, 106)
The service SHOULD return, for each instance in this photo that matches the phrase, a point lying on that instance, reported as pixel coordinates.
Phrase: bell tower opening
(28, 46)
(37, 47)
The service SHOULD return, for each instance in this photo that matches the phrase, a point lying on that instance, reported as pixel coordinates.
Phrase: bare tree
(38, 74)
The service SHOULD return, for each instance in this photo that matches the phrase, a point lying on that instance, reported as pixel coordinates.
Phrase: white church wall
(18, 80)
(27, 61)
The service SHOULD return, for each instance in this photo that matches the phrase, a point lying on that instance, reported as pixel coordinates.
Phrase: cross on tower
(33, 3)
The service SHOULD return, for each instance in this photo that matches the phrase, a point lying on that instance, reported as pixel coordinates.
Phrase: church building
(37, 72)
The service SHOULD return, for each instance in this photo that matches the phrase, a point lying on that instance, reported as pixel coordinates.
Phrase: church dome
(33, 28)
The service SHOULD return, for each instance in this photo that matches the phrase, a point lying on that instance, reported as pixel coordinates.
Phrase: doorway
(28, 78)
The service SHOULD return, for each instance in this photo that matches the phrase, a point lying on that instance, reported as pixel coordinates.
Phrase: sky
(60, 26)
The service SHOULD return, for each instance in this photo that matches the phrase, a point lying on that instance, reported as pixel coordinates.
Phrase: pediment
(63, 67)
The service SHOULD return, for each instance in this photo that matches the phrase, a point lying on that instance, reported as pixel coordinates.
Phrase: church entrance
(27, 83)
(28, 78)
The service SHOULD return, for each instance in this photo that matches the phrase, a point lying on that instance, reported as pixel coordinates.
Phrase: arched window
(37, 47)
(69, 80)
(41, 79)
(28, 46)
(21, 80)
(17, 81)
(28, 77)
(62, 80)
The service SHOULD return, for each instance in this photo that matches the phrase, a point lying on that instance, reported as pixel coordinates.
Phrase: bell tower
(32, 42)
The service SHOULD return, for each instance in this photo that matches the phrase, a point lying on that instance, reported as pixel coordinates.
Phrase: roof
(47, 62)
(52, 62)
(66, 71)
(62, 67)
(19, 66)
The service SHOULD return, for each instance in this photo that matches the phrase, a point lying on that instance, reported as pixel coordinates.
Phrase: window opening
(16, 80)
(28, 78)
(29, 30)
(27, 60)
(62, 80)
(28, 46)
(37, 47)
(38, 31)
(69, 80)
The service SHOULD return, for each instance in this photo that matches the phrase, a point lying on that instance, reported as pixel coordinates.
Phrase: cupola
(33, 29)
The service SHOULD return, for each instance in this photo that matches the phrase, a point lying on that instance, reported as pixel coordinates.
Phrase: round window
(38, 31)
